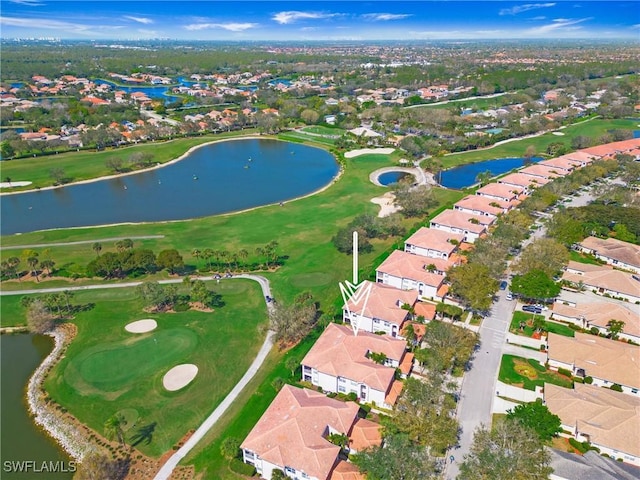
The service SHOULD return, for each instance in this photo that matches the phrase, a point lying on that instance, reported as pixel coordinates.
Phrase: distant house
(342, 362)
(614, 252)
(603, 279)
(292, 435)
(386, 309)
(607, 419)
(429, 242)
(470, 226)
(412, 272)
(607, 362)
(364, 132)
(598, 315)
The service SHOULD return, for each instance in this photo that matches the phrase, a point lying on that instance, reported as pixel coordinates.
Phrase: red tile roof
(291, 432)
(384, 302)
(406, 265)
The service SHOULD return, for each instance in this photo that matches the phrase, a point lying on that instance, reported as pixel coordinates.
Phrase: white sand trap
(386, 204)
(364, 151)
(141, 326)
(559, 134)
(14, 184)
(179, 376)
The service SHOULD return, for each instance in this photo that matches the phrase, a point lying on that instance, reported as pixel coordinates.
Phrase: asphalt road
(479, 384)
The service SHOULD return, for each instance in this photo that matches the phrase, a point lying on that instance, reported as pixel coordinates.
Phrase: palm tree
(13, 263)
(48, 265)
(195, 253)
(113, 427)
(243, 254)
(66, 296)
(97, 247)
(259, 252)
(207, 254)
(224, 256)
(33, 263)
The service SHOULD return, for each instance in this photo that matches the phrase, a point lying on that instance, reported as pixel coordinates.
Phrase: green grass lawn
(107, 369)
(582, 258)
(529, 373)
(321, 130)
(591, 128)
(85, 165)
(527, 319)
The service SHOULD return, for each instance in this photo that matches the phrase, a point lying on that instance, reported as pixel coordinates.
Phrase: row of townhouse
(605, 410)
(368, 355)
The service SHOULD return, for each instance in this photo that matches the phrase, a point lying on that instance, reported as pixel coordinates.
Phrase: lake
(20, 438)
(464, 176)
(217, 178)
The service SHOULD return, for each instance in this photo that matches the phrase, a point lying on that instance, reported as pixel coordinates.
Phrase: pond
(464, 176)
(216, 178)
(21, 439)
(388, 178)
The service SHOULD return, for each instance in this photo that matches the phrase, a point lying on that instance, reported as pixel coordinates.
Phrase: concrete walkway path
(98, 240)
(166, 470)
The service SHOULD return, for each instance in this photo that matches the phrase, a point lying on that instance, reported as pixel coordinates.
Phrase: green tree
(535, 285)
(414, 201)
(291, 323)
(171, 260)
(156, 296)
(200, 293)
(615, 328)
(484, 177)
(510, 451)
(473, 283)
(114, 427)
(399, 459)
(544, 254)
(537, 416)
(291, 364)
(230, 447)
(97, 247)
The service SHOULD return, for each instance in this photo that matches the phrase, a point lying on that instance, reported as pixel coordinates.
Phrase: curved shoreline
(70, 439)
(143, 170)
(233, 212)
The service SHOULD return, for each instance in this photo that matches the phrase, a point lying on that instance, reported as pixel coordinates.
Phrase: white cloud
(558, 24)
(285, 18)
(232, 27)
(636, 26)
(28, 3)
(386, 16)
(33, 24)
(525, 8)
(143, 20)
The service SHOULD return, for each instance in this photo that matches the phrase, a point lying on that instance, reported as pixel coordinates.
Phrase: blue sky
(319, 20)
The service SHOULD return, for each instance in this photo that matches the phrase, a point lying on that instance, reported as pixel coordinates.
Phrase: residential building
(384, 309)
(524, 181)
(564, 165)
(610, 150)
(429, 242)
(589, 466)
(500, 191)
(483, 206)
(598, 315)
(606, 419)
(543, 171)
(292, 435)
(612, 251)
(603, 279)
(412, 272)
(470, 226)
(339, 362)
(607, 362)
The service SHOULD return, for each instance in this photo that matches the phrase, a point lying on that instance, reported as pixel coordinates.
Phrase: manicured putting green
(114, 367)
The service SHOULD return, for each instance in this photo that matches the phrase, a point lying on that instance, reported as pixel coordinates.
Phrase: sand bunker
(141, 326)
(364, 151)
(179, 376)
(387, 206)
(14, 184)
